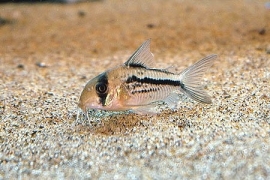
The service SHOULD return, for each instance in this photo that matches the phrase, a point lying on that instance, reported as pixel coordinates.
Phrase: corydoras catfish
(136, 86)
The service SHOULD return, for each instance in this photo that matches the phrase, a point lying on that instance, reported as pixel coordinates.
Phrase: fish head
(95, 93)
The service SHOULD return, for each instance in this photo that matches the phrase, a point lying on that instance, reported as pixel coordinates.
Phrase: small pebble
(262, 31)
(4, 21)
(150, 26)
(41, 64)
(20, 66)
(49, 93)
(83, 77)
(81, 13)
(226, 95)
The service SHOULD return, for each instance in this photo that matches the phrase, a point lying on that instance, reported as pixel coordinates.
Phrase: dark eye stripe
(101, 88)
(102, 79)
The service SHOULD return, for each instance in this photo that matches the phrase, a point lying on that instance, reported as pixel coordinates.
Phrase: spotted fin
(142, 57)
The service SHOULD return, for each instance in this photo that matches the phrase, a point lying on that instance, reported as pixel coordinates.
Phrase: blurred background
(103, 27)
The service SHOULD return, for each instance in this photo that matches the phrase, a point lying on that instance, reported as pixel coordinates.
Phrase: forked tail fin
(190, 79)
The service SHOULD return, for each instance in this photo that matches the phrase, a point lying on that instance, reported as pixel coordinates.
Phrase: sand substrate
(49, 51)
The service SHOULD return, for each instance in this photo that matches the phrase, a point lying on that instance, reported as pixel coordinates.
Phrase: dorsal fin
(142, 57)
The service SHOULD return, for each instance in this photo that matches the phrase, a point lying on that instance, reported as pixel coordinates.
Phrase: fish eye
(101, 88)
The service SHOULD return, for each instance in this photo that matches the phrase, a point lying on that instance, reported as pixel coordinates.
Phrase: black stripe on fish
(144, 90)
(137, 65)
(148, 80)
(102, 88)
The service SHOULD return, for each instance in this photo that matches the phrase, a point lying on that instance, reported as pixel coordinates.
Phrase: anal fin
(172, 100)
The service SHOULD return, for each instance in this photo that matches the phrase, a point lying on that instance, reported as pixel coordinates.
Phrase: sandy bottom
(49, 51)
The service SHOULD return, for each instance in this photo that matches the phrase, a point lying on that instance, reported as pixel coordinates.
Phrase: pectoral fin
(149, 109)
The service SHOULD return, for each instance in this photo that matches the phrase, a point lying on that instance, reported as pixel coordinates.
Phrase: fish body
(136, 86)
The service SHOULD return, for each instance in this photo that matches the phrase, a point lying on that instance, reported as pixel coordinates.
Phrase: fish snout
(81, 105)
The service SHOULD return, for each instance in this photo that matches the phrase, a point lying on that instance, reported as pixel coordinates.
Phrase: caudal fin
(190, 79)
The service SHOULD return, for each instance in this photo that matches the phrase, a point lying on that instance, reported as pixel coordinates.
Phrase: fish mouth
(84, 106)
